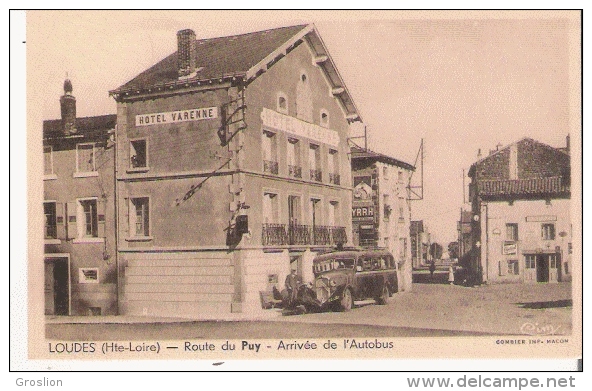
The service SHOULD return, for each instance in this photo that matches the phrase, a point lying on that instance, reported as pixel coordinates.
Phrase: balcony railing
(295, 171)
(284, 234)
(270, 166)
(274, 234)
(316, 175)
(334, 179)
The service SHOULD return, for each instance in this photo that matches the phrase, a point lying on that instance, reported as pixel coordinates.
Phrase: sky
(459, 81)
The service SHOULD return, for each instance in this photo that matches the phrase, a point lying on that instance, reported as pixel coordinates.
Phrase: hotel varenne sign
(173, 117)
(274, 120)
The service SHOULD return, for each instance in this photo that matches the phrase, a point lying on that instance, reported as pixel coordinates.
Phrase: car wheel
(347, 301)
(383, 299)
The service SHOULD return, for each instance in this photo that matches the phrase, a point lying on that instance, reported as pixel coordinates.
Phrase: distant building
(79, 231)
(520, 199)
(464, 232)
(420, 243)
(232, 169)
(381, 210)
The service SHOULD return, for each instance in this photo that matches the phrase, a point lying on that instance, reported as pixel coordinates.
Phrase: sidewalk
(128, 319)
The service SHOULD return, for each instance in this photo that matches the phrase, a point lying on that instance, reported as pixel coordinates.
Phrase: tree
(436, 250)
(453, 249)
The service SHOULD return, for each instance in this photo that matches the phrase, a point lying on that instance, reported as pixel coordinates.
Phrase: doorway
(542, 268)
(57, 286)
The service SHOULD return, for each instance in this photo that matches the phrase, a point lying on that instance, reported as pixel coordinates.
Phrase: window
(138, 154)
(402, 248)
(530, 261)
(512, 232)
(85, 158)
(324, 120)
(385, 172)
(513, 267)
(314, 161)
(387, 206)
(51, 228)
(316, 215)
(89, 218)
(85, 220)
(553, 261)
(270, 163)
(294, 165)
(140, 217)
(548, 231)
(333, 167)
(88, 275)
(47, 160)
(400, 177)
(282, 103)
(270, 208)
(333, 214)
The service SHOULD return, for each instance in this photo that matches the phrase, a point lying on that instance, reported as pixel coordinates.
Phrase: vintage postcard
(293, 185)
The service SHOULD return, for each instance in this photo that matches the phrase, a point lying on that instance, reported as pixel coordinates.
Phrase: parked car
(341, 277)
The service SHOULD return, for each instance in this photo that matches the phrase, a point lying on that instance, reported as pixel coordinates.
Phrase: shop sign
(362, 211)
(297, 127)
(173, 117)
(542, 218)
(510, 248)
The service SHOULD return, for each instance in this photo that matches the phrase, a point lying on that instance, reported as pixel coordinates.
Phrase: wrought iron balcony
(334, 178)
(270, 166)
(296, 234)
(295, 171)
(316, 175)
(274, 234)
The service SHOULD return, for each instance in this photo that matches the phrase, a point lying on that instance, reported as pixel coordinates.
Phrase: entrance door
(542, 268)
(554, 263)
(530, 268)
(57, 297)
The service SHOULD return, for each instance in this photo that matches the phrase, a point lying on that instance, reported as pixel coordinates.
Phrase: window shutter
(503, 268)
(71, 225)
(101, 218)
(60, 223)
(126, 226)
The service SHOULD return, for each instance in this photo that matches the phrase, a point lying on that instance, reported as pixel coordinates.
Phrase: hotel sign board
(285, 123)
(173, 117)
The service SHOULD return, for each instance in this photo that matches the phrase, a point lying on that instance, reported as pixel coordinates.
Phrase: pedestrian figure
(432, 269)
(451, 275)
(293, 281)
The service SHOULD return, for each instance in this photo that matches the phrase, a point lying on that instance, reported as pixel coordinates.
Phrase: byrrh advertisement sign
(173, 117)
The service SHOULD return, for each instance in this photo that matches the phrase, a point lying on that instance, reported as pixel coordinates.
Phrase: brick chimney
(567, 143)
(186, 55)
(68, 106)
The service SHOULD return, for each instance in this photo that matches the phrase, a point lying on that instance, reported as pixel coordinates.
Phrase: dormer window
(324, 120)
(282, 103)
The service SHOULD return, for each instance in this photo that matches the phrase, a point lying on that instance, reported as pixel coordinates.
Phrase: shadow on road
(537, 305)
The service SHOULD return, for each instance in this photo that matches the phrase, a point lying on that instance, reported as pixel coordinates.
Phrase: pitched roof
(217, 57)
(238, 57)
(361, 153)
(84, 125)
(551, 186)
(501, 150)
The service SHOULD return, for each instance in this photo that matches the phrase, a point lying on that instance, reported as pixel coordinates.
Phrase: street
(430, 310)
